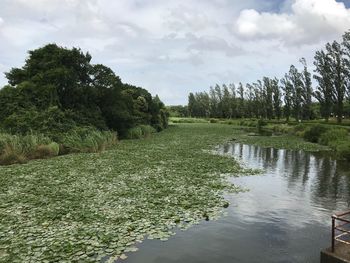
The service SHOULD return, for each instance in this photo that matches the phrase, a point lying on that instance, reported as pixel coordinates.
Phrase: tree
(287, 88)
(306, 91)
(338, 77)
(240, 92)
(276, 96)
(323, 76)
(226, 102)
(62, 82)
(295, 78)
(191, 104)
(346, 52)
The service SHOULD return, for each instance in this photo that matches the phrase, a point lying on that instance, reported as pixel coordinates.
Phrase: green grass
(82, 207)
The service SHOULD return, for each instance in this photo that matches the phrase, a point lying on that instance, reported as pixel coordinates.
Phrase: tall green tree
(295, 78)
(323, 76)
(276, 96)
(306, 92)
(287, 88)
(338, 80)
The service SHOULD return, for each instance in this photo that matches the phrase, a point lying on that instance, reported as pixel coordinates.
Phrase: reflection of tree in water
(331, 182)
(328, 180)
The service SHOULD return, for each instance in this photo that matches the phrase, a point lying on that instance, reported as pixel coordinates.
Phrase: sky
(173, 47)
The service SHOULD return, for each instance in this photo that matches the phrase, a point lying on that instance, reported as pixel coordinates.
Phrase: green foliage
(178, 111)
(333, 135)
(141, 131)
(260, 127)
(314, 132)
(281, 128)
(147, 130)
(134, 133)
(87, 139)
(58, 89)
(20, 148)
(343, 149)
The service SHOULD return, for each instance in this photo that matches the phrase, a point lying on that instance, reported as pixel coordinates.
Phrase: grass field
(83, 207)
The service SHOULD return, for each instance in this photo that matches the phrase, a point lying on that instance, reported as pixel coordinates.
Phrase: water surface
(285, 217)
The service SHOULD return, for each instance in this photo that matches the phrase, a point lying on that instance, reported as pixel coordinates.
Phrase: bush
(300, 128)
(281, 128)
(343, 150)
(313, 133)
(261, 123)
(333, 135)
(213, 121)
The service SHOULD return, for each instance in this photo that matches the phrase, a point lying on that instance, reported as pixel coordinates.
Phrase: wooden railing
(341, 228)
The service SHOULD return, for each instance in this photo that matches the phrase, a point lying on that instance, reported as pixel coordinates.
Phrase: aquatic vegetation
(88, 206)
(282, 142)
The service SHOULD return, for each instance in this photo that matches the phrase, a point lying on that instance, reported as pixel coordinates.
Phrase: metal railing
(341, 228)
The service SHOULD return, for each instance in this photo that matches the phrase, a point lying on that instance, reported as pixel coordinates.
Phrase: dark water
(285, 217)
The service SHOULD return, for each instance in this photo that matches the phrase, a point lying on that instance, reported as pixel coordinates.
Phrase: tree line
(292, 96)
(58, 89)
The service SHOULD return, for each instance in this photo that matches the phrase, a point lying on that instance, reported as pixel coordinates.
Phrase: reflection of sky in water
(285, 217)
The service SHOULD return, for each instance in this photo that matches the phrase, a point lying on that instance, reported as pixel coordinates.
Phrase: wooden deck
(341, 254)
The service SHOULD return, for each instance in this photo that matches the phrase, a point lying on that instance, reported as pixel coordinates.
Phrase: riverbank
(87, 206)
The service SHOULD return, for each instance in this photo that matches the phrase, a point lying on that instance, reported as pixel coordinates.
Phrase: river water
(284, 217)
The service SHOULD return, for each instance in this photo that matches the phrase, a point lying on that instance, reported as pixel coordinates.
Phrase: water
(285, 217)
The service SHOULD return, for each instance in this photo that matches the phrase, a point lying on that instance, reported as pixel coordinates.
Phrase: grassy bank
(85, 206)
(17, 148)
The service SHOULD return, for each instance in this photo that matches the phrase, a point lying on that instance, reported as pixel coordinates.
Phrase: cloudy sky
(176, 46)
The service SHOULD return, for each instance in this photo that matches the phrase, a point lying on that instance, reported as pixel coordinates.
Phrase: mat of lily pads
(96, 207)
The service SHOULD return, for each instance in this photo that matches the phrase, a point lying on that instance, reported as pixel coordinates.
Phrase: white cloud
(176, 46)
(308, 22)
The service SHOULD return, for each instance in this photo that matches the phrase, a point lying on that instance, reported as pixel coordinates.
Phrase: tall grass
(140, 131)
(87, 140)
(19, 148)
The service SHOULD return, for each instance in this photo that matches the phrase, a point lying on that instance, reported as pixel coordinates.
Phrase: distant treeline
(291, 96)
(59, 89)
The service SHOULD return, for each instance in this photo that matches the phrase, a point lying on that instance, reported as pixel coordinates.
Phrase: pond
(284, 217)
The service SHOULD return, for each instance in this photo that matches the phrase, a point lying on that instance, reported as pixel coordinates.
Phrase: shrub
(313, 133)
(333, 135)
(261, 123)
(300, 128)
(281, 128)
(343, 149)
(213, 121)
